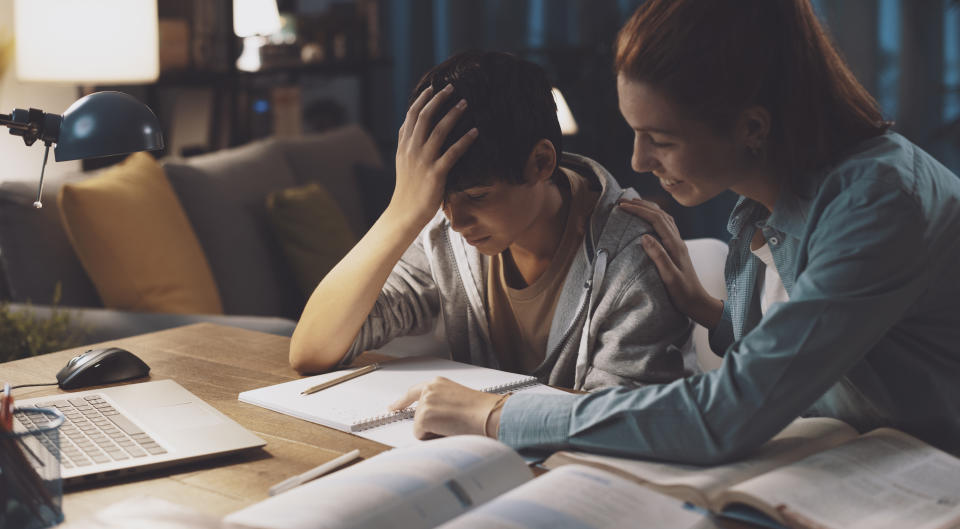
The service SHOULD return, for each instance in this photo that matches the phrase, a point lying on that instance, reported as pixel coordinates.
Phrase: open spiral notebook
(361, 405)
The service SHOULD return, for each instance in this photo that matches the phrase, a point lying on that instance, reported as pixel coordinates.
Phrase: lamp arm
(32, 125)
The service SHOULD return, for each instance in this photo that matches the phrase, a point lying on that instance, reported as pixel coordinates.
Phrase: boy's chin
(489, 249)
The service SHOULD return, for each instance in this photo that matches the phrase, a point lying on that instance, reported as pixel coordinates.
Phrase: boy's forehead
(486, 187)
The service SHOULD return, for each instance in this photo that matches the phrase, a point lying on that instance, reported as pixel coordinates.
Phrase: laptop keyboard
(94, 432)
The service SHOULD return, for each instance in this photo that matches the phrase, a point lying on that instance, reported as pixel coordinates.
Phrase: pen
(6, 409)
(344, 378)
(315, 473)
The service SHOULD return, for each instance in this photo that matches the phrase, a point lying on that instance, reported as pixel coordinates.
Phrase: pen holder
(30, 487)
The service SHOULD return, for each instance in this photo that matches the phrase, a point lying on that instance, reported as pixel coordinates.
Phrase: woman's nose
(642, 160)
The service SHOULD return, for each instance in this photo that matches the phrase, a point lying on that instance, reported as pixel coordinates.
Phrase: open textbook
(465, 482)
(360, 405)
(817, 473)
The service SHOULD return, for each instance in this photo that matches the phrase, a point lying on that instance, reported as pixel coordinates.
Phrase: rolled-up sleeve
(408, 304)
(865, 262)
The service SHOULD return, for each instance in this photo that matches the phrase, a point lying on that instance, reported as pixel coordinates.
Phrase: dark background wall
(906, 52)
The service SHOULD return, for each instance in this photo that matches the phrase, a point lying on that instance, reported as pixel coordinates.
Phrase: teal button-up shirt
(870, 257)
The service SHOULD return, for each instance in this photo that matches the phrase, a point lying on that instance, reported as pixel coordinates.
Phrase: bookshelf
(320, 77)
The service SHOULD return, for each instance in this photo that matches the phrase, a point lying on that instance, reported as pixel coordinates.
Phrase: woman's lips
(477, 240)
(668, 183)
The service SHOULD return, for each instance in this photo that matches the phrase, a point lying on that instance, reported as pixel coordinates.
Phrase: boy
(530, 264)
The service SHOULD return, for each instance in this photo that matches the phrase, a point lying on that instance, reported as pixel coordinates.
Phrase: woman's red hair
(715, 58)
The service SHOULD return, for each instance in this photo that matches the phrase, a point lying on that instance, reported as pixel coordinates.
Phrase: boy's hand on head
(421, 166)
(447, 408)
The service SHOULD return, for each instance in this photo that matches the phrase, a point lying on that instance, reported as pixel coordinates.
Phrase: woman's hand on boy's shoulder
(672, 259)
(421, 166)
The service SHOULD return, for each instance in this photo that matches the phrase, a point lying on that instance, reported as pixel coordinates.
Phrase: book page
(145, 512)
(700, 484)
(581, 497)
(883, 479)
(415, 487)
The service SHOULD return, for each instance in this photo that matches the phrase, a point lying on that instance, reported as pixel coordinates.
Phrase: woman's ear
(541, 163)
(753, 129)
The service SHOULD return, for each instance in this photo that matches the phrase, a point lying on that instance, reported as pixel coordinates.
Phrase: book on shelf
(465, 482)
(817, 473)
(361, 405)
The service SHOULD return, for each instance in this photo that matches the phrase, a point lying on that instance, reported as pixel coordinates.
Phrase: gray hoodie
(612, 290)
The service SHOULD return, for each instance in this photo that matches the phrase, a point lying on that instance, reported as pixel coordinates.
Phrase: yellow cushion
(312, 230)
(135, 241)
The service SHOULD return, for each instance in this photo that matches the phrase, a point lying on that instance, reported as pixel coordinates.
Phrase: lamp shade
(105, 124)
(568, 125)
(88, 42)
(255, 17)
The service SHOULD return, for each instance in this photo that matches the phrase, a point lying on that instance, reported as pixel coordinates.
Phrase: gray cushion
(223, 194)
(329, 159)
(34, 250)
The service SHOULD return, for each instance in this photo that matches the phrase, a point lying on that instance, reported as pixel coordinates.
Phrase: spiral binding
(379, 420)
(516, 385)
(407, 413)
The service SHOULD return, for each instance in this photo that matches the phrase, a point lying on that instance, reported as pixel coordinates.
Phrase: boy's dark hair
(715, 58)
(509, 101)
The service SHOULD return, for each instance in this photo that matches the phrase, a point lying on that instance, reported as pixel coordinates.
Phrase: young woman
(843, 279)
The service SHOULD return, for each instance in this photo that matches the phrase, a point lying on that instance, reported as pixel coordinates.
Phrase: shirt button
(774, 241)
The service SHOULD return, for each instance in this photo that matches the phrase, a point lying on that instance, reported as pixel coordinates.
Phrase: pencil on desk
(314, 473)
(349, 376)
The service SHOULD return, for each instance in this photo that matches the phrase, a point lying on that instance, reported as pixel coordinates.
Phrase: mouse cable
(33, 385)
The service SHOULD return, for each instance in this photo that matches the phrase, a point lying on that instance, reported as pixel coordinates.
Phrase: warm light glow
(568, 125)
(249, 59)
(255, 17)
(88, 42)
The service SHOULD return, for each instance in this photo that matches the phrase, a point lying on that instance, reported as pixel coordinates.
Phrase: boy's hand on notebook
(447, 408)
(422, 165)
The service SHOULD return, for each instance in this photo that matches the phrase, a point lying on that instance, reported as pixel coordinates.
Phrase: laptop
(111, 432)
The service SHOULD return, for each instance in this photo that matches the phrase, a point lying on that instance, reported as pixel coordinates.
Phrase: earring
(757, 151)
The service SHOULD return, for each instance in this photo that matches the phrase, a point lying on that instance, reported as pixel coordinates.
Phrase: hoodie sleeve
(408, 304)
(636, 331)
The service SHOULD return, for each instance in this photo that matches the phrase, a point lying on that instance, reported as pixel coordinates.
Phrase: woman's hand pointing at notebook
(447, 408)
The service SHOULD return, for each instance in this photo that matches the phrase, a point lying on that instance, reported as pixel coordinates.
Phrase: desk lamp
(100, 124)
(252, 20)
(89, 42)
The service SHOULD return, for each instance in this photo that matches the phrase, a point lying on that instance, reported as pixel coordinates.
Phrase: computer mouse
(101, 366)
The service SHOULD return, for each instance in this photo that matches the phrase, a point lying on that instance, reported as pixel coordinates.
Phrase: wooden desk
(215, 363)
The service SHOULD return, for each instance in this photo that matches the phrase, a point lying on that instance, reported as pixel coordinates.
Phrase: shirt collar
(789, 215)
(744, 212)
(792, 210)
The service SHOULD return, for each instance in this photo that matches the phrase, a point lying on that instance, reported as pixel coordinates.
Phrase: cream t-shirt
(520, 318)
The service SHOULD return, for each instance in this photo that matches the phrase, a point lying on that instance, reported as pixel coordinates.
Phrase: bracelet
(496, 406)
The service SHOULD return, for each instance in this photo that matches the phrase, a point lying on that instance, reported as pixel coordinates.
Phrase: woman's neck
(761, 185)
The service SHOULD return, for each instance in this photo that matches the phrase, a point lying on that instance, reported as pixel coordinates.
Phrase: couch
(223, 195)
